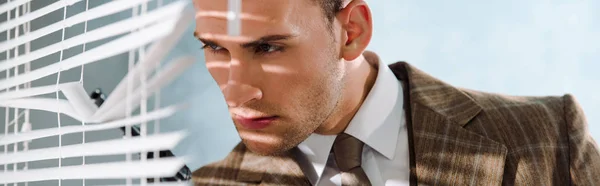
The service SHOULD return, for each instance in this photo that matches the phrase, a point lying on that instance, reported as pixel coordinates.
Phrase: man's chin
(265, 149)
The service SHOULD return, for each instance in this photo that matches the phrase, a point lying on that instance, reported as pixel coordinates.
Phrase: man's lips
(255, 123)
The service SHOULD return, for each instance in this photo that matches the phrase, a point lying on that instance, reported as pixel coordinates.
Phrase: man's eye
(212, 47)
(267, 48)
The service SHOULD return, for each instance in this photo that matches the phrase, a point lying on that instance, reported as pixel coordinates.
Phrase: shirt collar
(377, 121)
(316, 149)
(373, 123)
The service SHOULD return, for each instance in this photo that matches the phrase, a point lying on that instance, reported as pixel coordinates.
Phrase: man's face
(282, 78)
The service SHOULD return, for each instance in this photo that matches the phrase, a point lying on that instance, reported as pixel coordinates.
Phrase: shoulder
(538, 118)
(493, 101)
(534, 110)
(225, 169)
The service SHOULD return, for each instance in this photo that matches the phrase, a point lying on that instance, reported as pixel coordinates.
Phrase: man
(313, 108)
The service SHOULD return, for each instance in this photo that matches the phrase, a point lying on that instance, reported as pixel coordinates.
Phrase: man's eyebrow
(262, 40)
(266, 39)
(204, 41)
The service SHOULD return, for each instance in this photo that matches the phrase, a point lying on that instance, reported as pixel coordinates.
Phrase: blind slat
(79, 104)
(154, 55)
(110, 147)
(34, 91)
(164, 167)
(106, 31)
(42, 133)
(165, 76)
(44, 104)
(79, 100)
(112, 48)
(80, 107)
(35, 14)
(12, 5)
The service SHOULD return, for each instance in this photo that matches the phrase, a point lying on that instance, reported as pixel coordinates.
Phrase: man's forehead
(258, 17)
(272, 9)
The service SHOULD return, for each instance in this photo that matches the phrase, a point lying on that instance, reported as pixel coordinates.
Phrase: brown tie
(347, 151)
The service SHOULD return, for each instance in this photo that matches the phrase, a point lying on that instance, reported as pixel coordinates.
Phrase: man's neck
(360, 78)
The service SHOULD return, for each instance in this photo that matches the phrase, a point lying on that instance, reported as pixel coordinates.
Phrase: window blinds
(149, 34)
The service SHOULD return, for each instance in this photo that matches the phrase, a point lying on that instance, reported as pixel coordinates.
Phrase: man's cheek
(219, 74)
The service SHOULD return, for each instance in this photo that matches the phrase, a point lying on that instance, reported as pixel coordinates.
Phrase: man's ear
(357, 29)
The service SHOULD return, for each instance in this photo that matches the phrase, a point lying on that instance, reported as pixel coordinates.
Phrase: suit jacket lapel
(270, 170)
(442, 151)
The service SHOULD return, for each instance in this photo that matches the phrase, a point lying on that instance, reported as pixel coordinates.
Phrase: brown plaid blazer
(458, 137)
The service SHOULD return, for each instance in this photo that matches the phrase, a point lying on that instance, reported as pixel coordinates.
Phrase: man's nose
(236, 94)
(239, 88)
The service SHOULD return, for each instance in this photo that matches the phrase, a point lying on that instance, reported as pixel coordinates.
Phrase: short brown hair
(330, 8)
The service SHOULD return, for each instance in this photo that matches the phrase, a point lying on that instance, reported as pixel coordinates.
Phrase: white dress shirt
(379, 123)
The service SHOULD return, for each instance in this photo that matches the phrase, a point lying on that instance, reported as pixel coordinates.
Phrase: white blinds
(148, 34)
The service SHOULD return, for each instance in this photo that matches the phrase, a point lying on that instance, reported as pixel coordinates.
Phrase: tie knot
(347, 151)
